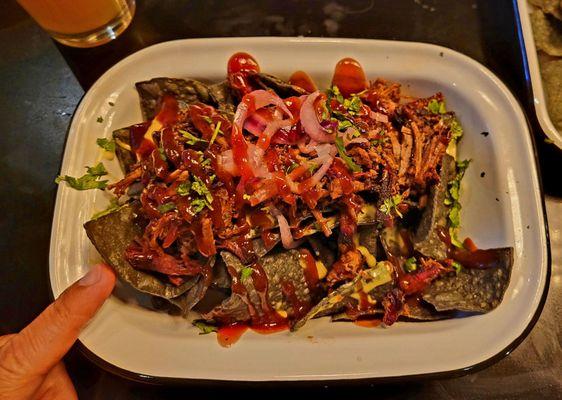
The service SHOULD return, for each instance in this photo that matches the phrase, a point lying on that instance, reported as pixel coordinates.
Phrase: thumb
(40, 345)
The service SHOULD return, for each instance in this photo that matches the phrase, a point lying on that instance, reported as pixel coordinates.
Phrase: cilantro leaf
(456, 130)
(106, 144)
(113, 206)
(292, 167)
(183, 188)
(410, 264)
(198, 205)
(334, 93)
(246, 272)
(457, 266)
(436, 107)
(343, 125)
(204, 327)
(164, 208)
(191, 139)
(347, 159)
(199, 187)
(391, 204)
(215, 133)
(88, 181)
(353, 105)
(453, 199)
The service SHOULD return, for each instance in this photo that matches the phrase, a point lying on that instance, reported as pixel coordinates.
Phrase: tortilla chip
(547, 32)
(223, 99)
(279, 267)
(421, 311)
(186, 91)
(551, 72)
(553, 7)
(125, 156)
(111, 234)
(426, 239)
(282, 88)
(472, 290)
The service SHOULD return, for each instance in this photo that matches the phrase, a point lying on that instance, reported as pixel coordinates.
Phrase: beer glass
(81, 23)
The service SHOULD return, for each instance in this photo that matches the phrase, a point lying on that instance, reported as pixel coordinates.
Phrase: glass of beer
(81, 23)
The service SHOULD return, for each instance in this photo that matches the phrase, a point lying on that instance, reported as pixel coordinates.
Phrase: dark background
(40, 87)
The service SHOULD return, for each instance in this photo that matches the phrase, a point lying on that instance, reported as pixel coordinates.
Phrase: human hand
(30, 361)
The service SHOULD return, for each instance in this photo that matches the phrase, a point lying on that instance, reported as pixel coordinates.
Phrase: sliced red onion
(255, 159)
(270, 130)
(310, 123)
(306, 148)
(254, 126)
(226, 162)
(264, 98)
(285, 230)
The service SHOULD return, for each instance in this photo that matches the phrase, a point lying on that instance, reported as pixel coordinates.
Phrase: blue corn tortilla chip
(111, 234)
(472, 290)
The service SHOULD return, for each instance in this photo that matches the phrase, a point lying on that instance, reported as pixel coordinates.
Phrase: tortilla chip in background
(547, 32)
(551, 72)
(472, 290)
(279, 86)
(112, 234)
(553, 7)
(186, 91)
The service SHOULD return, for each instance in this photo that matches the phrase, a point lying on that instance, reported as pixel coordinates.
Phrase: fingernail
(92, 277)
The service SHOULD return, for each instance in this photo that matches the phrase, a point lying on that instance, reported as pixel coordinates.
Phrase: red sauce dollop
(349, 77)
(303, 80)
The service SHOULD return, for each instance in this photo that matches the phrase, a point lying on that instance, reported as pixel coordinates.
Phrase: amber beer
(81, 23)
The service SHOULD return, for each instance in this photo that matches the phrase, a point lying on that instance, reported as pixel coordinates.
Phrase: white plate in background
(503, 208)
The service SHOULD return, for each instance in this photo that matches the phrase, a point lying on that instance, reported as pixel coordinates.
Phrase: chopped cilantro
(215, 133)
(456, 130)
(353, 105)
(453, 199)
(457, 266)
(343, 125)
(198, 205)
(334, 93)
(246, 273)
(347, 159)
(164, 208)
(292, 167)
(183, 188)
(204, 327)
(200, 188)
(106, 144)
(113, 206)
(191, 139)
(88, 181)
(436, 107)
(391, 204)
(206, 162)
(410, 264)
(99, 119)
